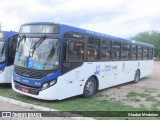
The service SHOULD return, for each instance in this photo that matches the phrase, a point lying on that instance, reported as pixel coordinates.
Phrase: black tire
(137, 76)
(89, 88)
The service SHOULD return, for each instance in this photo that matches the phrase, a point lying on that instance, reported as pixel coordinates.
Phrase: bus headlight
(52, 82)
(49, 84)
(45, 85)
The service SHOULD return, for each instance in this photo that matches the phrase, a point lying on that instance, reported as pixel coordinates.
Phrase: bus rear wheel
(89, 88)
(137, 76)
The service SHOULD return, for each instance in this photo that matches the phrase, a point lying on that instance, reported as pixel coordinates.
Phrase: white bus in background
(8, 42)
(57, 61)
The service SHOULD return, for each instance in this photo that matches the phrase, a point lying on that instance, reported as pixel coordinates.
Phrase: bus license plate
(25, 89)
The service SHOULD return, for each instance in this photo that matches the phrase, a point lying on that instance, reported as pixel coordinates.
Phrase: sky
(122, 18)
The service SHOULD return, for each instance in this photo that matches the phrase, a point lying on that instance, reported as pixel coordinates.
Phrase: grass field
(71, 104)
(79, 103)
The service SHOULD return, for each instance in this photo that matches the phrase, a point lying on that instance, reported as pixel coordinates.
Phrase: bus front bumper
(46, 94)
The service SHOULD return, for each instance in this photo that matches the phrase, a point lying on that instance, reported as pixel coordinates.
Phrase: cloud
(122, 18)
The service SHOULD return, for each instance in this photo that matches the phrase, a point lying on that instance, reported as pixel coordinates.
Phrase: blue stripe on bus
(3, 66)
(66, 28)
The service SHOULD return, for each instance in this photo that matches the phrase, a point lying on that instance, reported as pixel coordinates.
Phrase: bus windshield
(44, 56)
(2, 51)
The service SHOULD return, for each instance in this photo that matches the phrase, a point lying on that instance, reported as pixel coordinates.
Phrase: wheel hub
(90, 87)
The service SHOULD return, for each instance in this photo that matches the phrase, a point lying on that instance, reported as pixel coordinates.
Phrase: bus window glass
(76, 51)
(126, 51)
(106, 50)
(150, 53)
(2, 51)
(145, 53)
(116, 50)
(139, 52)
(134, 52)
(93, 49)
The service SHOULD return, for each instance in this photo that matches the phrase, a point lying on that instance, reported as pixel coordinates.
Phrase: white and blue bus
(8, 43)
(57, 61)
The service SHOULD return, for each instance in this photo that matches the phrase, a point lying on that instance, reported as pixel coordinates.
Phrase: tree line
(152, 37)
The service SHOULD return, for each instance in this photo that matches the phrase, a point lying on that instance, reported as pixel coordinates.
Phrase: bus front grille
(31, 90)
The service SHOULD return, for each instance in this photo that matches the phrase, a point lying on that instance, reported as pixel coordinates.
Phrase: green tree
(152, 37)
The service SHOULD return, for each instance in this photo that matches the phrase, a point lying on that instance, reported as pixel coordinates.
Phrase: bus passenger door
(12, 44)
(73, 56)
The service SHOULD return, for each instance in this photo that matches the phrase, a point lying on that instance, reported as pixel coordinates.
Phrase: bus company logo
(17, 78)
(25, 81)
(78, 36)
(97, 69)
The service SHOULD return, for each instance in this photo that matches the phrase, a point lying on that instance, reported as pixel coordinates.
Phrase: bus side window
(12, 49)
(93, 49)
(150, 53)
(116, 50)
(145, 53)
(133, 51)
(126, 51)
(106, 50)
(76, 51)
(139, 52)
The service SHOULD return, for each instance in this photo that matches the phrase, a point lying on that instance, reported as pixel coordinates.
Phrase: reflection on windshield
(45, 57)
(2, 52)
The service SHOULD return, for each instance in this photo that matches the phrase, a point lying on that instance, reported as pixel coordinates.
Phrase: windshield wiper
(3, 49)
(23, 37)
(36, 44)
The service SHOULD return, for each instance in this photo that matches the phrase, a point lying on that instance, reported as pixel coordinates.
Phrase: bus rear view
(37, 60)
(8, 42)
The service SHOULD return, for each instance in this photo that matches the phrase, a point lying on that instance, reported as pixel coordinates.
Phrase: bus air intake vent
(31, 73)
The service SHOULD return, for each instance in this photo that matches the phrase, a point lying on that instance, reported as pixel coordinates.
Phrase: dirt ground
(146, 92)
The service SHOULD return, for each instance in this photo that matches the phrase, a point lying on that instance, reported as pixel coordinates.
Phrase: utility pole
(0, 26)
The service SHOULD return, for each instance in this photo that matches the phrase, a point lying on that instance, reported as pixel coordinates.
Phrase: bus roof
(89, 32)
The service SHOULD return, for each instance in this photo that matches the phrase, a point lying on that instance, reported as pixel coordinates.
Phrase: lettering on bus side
(109, 68)
(114, 67)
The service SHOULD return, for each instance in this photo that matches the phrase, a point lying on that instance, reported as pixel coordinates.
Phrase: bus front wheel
(137, 76)
(89, 88)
